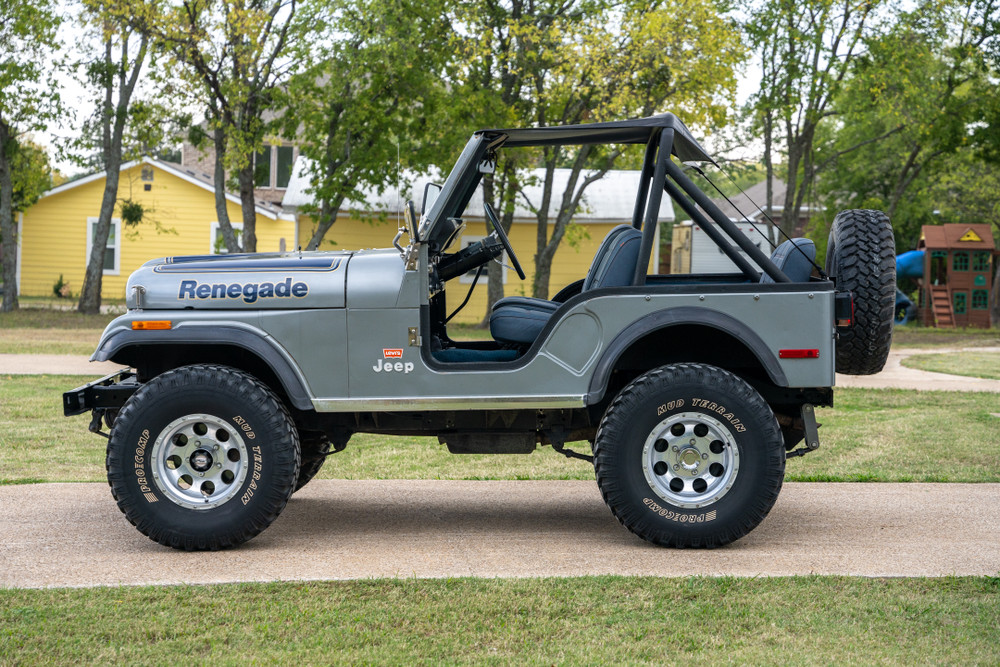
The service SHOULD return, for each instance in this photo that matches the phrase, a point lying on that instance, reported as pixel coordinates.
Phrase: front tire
(689, 455)
(202, 457)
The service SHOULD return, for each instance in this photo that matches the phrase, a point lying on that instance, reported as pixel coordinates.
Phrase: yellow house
(180, 219)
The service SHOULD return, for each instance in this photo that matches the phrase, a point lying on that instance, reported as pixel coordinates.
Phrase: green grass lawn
(586, 620)
(49, 341)
(917, 336)
(871, 435)
(968, 363)
(46, 318)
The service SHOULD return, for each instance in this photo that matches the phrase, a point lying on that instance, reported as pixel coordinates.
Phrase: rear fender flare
(683, 315)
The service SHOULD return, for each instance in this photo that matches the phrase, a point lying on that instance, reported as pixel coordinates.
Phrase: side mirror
(431, 192)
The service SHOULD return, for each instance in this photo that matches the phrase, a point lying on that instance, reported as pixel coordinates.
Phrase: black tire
(314, 451)
(861, 257)
(202, 457)
(679, 424)
(315, 448)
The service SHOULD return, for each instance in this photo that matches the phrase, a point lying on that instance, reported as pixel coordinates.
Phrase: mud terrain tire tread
(314, 451)
(273, 419)
(861, 255)
(616, 458)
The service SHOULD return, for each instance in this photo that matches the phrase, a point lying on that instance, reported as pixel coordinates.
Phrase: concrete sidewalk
(54, 364)
(897, 376)
(74, 535)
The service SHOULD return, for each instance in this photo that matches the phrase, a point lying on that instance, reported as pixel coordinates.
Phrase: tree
(369, 91)
(115, 73)
(557, 63)
(29, 100)
(230, 54)
(806, 48)
(908, 102)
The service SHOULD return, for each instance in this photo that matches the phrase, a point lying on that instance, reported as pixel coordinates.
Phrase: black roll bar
(653, 206)
(644, 180)
(727, 225)
(713, 233)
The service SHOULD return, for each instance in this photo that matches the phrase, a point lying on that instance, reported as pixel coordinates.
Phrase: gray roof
(753, 201)
(209, 181)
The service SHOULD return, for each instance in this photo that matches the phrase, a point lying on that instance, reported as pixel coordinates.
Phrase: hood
(241, 281)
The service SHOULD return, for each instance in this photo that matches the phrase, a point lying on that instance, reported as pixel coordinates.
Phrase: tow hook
(811, 429)
(95, 423)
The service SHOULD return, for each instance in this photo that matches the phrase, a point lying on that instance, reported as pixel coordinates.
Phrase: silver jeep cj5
(691, 389)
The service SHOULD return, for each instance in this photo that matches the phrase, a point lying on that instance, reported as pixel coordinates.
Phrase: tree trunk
(327, 216)
(494, 272)
(772, 233)
(113, 126)
(249, 207)
(90, 294)
(219, 181)
(7, 231)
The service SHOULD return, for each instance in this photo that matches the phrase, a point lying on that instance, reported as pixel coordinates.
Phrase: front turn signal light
(150, 325)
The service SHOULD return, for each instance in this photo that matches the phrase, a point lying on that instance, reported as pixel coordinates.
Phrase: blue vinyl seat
(796, 265)
(519, 319)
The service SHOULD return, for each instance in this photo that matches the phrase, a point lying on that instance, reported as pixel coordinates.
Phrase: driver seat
(519, 319)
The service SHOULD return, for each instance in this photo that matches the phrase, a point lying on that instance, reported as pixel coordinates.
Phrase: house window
(147, 173)
(468, 276)
(217, 245)
(980, 299)
(960, 261)
(958, 301)
(981, 261)
(273, 166)
(112, 251)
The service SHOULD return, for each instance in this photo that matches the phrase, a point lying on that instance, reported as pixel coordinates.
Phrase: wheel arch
(683, 334)
(154, 352)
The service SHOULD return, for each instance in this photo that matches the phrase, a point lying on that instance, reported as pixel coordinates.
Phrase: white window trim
(213, 230)
(116, 224)
(465, 278)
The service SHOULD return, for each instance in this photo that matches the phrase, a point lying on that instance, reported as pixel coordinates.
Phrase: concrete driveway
(74, 535)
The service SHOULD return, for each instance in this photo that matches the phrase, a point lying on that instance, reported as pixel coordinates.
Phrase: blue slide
(910, 265)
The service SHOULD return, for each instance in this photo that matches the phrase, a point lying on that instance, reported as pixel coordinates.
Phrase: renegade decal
(249, 292)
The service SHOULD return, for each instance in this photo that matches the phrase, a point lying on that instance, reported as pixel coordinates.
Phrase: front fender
(117, 343)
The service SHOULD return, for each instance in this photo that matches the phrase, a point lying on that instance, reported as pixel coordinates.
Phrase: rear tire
(689, 455)
(861, 257)
(202, 457)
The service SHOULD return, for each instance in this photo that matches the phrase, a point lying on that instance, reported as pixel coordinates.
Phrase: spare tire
(861, 258)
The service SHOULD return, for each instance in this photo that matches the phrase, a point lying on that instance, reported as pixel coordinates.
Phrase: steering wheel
(504, 241)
